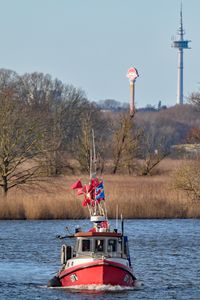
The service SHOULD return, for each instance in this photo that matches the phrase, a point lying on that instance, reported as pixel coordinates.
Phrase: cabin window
(77, 245)
(112, 245)
(126, 248)
(99, 245)
(85, 245)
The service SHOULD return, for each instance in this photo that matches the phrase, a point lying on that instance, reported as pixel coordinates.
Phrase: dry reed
(136, 197)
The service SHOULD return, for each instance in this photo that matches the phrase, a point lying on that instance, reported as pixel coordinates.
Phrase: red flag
(84, 190)
(92, 230)
(89, 188)
(94, 182)
(92, 203)
(80, 192)
(85, 202)
(76, 185)
(104, 224)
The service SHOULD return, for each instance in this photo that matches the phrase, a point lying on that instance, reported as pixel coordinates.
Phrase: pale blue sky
(92, 43)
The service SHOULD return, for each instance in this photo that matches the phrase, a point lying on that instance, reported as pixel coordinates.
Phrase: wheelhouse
(107, 244)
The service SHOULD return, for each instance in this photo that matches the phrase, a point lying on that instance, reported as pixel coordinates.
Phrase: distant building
(186, 149)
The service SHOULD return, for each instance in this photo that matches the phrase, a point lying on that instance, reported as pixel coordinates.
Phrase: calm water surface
(165, 255)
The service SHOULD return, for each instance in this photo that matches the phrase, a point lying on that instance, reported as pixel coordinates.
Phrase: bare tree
(194, 99)
(83, 145)
(125, 144)
(153, 152)
(90, 119)
(187, 178)
(194, 135)
(21, 137)
(61, 106)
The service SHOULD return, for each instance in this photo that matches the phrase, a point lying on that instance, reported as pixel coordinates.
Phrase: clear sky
(92, 43)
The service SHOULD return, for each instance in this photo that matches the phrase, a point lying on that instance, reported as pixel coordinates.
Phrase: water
(165, 255)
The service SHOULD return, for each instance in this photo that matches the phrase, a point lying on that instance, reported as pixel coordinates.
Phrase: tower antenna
(180, 44)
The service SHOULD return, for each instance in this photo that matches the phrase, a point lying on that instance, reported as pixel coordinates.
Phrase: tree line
(44, 124)
(45, 130)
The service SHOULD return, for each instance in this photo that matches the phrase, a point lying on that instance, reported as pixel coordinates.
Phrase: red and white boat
(100, 256)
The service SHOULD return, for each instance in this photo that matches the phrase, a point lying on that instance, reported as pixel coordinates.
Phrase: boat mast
(91, 164)
(99, 209)
(94, 159)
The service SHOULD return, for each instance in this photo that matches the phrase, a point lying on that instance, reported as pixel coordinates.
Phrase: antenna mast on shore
(180, 44)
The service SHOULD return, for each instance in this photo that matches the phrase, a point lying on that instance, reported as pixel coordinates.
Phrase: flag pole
(94, 153)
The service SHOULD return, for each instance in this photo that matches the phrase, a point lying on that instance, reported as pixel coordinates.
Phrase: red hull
(99, 273)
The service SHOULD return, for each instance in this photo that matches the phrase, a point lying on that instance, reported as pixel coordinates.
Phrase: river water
(165, 255)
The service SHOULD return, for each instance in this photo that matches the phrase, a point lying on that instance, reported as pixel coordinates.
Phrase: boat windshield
(112, 245)
(99, 245)
(86, 245)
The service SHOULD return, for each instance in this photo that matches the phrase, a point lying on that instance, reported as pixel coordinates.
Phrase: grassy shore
(136, 197)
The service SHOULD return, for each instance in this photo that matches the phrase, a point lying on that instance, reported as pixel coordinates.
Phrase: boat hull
(100, 272)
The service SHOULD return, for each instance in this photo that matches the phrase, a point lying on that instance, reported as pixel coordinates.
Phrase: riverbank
(138, 197)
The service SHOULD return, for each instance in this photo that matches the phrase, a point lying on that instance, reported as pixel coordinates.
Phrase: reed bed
(136, 197)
